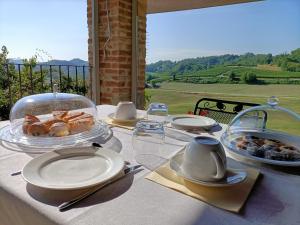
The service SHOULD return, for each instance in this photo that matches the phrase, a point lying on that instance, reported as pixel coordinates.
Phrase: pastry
(37, 129)
(267, 148)
(48, 123)
(59, 114)
(77, 126)
(83, 116)
(59, 129)
(28, 120)
(71, 115)
(62, 123)
(286, 148)
(242, 144)
(272, 142)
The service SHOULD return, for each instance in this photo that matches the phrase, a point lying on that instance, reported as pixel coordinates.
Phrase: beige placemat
(229, 198)
(129, 126)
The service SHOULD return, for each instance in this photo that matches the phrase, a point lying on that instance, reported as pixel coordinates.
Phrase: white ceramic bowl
(125, 111)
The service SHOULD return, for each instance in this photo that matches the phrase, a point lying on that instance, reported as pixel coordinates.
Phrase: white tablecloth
(137, 201)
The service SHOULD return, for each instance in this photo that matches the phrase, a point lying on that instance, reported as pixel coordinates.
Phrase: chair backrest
(223, 111)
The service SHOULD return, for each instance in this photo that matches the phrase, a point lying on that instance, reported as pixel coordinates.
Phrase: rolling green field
(239, 70)
(263, 72)
(182, 97)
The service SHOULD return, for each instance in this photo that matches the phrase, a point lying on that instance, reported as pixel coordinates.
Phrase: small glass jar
(148, 141)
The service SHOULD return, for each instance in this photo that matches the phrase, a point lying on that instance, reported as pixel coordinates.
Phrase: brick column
(115, 59)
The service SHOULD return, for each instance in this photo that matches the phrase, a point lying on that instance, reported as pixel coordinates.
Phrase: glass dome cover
(266, 133)
(53, 120)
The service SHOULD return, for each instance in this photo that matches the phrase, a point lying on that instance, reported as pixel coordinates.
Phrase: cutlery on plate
(88, 193)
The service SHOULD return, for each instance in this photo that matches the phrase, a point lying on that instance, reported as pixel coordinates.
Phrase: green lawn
(182, 97)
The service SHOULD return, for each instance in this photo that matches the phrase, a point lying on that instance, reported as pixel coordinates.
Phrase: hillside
(72, 62)
(247, 68)
(287, 62)
(64, 68)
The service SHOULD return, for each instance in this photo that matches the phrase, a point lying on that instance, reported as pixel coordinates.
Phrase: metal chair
(223, 111)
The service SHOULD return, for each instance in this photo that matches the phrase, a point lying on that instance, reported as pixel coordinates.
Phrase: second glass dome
(267, 133)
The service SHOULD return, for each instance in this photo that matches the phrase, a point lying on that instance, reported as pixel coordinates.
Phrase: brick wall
(115, 62)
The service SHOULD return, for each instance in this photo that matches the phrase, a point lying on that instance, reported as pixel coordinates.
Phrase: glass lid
(267, 133)
(53, 120)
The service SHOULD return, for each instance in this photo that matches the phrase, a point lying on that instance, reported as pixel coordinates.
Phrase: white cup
(204, 159)
(125, 111)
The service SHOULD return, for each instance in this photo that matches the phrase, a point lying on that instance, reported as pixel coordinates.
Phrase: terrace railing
(19, 80)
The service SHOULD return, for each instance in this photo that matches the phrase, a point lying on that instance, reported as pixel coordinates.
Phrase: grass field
(182, 97)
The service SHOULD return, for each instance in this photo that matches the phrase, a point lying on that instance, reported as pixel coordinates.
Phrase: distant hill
(287, 62)
(56, 62)
(72, 62)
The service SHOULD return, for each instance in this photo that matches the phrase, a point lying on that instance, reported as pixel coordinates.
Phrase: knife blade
(88, 193)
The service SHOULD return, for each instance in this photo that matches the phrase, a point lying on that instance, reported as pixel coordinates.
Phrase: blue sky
(271, 26)
(59, 27)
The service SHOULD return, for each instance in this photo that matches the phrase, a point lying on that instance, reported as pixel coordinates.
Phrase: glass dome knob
(55, 89)
(273, 101)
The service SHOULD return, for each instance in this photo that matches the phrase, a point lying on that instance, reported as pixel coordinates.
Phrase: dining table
(134, 200)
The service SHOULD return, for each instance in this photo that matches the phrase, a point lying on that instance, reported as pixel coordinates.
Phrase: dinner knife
(80, 197)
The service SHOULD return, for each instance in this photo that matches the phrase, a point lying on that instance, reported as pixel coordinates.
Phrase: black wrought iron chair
(223, 111)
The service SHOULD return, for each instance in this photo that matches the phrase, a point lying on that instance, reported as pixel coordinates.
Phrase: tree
(231, 76)
(249, 78)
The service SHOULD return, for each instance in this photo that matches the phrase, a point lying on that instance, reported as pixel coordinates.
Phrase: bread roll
(77, 126)
(37, 129)
(59, 129)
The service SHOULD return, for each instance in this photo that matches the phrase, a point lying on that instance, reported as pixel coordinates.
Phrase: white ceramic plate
(112, 116)
(232, 177)
(32, 144)
(76, 168)
(242, 155)
(191, 122)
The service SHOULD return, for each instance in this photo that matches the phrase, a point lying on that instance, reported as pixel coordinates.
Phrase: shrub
(249, 78)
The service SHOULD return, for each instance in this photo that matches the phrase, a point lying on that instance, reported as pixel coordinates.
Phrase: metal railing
(19, 80)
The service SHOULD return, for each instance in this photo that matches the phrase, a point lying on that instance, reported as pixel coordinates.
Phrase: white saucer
(232, 176)
(191, 122)
(69, 169)
(112, 116)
